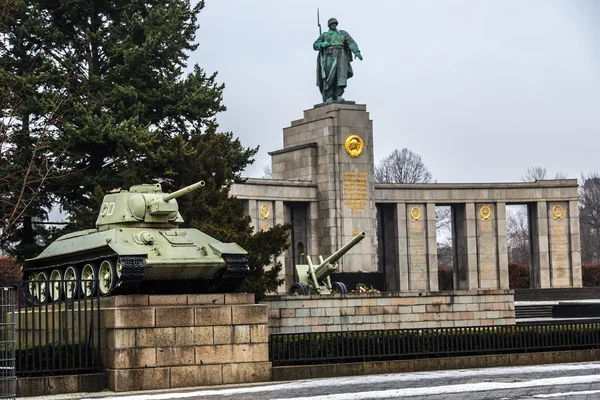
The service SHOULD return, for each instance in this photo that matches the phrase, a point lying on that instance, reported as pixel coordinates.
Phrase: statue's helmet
(331, 21)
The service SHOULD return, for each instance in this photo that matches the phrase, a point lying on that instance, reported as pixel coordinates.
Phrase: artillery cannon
(137, 246)
(317, 279)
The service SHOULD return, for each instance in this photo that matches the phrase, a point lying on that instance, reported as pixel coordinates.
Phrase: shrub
(590, 275)
(445, 279)
(518, 276)
(9, 269)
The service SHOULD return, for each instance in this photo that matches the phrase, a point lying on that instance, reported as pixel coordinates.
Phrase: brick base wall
(330, 313)
(169, 341)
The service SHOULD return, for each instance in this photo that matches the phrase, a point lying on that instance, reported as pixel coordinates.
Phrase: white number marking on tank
(111, 208)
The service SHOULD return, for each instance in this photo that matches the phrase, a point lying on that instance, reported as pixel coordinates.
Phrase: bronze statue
(335, 49)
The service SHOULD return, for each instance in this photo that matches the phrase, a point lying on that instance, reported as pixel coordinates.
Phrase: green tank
(136, 247)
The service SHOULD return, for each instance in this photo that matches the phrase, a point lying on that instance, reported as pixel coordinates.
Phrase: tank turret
(137, 246)
(141, 205)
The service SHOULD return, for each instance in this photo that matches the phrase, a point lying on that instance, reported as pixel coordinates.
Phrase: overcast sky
(480, 89)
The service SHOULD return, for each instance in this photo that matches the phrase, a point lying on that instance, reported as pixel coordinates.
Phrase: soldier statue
(335, 49)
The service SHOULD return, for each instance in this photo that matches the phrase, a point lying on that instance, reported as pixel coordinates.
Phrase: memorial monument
(323, 182)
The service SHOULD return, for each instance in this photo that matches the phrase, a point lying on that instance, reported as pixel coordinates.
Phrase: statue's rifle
(323, 75)
(319, 21)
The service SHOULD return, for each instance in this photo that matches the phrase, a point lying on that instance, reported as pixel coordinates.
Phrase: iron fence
(57, 327)
(351, 346)
(8, 377)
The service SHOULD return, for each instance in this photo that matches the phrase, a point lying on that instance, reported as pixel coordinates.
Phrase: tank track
(237, 269)
(132, 272)
(237, 266)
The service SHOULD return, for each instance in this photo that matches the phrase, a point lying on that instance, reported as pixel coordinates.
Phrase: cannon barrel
(329, 262)
(183, 191)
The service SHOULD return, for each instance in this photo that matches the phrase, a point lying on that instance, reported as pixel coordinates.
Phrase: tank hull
(143, 255)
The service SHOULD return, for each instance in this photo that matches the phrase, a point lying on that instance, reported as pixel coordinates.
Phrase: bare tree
(267, 171)
(589, 217)
(517, 232)
(540, 173)
(442, 219)
(445, 254)
(407, 167)
(402, 167)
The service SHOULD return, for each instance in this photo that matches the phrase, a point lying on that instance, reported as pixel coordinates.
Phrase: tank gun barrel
(183, 191)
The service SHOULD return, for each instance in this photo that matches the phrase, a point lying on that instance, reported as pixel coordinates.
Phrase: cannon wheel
(339, 288)
(298, 289)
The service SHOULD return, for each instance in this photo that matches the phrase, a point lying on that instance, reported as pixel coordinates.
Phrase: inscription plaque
(355, 191)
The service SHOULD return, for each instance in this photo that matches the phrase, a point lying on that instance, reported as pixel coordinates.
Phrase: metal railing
(57, 327)
(8, 377)
(351, 346)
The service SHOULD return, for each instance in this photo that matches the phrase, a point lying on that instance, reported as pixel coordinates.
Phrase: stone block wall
(295, 314)
(169, 341)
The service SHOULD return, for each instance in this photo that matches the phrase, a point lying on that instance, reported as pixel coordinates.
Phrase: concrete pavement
(557, 381)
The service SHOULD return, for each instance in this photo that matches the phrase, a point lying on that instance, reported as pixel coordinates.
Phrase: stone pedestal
(332, 146)
(169, 341)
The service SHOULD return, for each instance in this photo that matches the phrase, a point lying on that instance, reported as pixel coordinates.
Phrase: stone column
(488, 264)
(465, 247)
(402, 277)
(253, 213)
(559, 244)
(312, 248)
(279, 218)
(502, 246)
(540, 261)
(421, 266)
(575, 243)
(432, 259)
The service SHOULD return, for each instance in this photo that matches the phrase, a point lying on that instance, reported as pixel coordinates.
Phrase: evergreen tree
(132, 114)
(31, 102)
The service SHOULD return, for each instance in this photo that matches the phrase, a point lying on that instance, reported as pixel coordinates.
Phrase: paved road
(559, 381)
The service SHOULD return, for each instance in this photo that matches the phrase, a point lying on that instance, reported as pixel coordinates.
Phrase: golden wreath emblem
(265, 211)
(558, 211)
(486, 213)
(354, 146)
(415, 213)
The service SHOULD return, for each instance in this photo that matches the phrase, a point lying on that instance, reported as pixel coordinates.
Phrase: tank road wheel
(119, 268)
(32, 286)
(42, 295)
(88, 280)
(299, 289)
(107, 277)
(338, 288)
(55, 286)
(70, 283)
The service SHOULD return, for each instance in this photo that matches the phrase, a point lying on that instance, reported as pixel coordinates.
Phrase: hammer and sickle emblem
(415, 213)
(354, 146)
(264, 211)
(558, 211)
(485, 213)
